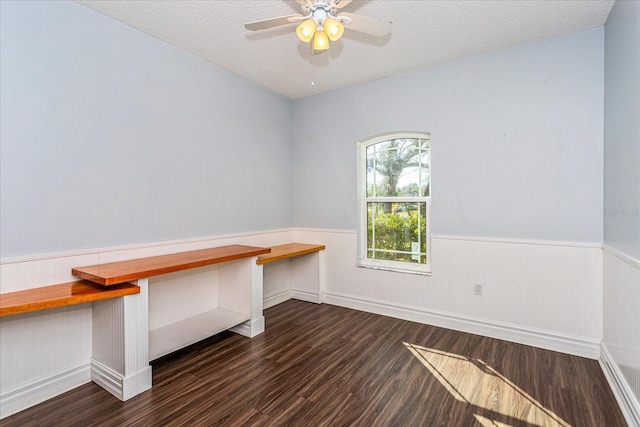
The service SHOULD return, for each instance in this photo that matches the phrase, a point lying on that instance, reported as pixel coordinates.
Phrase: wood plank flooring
(322, 365)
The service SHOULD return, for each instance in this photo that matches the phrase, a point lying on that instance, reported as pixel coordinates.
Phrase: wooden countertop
(134, 269)
(289, 250)
(60, 295)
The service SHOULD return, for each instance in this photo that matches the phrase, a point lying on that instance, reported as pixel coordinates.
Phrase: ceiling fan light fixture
(333, 28)
(322, 21)
(320, 40)
(306, 30)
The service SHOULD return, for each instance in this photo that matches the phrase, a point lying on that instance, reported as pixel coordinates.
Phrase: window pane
(374, 177)
(397, 231)
(398, 167)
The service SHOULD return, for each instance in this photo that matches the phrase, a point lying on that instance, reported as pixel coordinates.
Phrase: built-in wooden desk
(124, 342)
(60, 295)
(305, 270)
(201, 293)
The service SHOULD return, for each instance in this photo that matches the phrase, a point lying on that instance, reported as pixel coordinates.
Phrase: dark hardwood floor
(319, 365)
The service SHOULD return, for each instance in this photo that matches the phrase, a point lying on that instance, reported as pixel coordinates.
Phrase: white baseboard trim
(137, 383)
(250, 328)
(305, 296)
(288, 294)
(106, 378)
(121, 387)
(548, 340)
(276, 299)
(627, 401)
(28, 395)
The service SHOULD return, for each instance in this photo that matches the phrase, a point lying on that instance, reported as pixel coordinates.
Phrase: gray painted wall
(622, 129)
(112, 137)
(517, 145)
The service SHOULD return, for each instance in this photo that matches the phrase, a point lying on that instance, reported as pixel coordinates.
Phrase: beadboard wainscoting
(545, 294)
(43, 354)
(620, 357)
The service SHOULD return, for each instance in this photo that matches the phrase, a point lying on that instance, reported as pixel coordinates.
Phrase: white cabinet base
(167, 339)
(121, 387)
(123, 345)
(120, 362)
(250, 328)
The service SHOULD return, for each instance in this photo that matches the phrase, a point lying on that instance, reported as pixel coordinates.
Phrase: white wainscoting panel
(43, 354)
(305, 277)
(621, 343)
(546, 295)
(50, 269)
(109, 349)
(231, 295)
(276, 282)
(30, 394)
(176, 296)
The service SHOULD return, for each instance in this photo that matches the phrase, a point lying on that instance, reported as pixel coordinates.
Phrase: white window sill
(395, 270)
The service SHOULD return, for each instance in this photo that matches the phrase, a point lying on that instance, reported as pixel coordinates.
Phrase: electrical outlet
(477, 289)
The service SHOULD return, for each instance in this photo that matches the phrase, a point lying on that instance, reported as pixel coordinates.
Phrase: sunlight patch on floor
(474, 382)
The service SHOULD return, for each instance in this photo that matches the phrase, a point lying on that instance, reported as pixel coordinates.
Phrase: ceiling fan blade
(339, 4)
(305, 3)
(273, 22)
(365, 24)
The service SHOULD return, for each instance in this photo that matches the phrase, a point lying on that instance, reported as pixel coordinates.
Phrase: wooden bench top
(134, 269)
(60, 295)
(289, 250)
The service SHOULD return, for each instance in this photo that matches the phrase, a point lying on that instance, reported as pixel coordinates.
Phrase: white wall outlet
(477, 289)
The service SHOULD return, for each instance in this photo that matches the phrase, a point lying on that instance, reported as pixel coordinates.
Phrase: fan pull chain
(313, 70)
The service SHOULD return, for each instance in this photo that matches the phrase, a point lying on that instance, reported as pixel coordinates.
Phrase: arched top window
(394, 189)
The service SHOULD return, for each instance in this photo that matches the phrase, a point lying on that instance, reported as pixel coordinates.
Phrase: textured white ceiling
(424, 33)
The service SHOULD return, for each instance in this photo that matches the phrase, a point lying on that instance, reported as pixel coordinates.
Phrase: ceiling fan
(320, 22)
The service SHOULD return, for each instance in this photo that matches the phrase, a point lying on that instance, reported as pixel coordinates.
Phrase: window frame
(362, 250)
